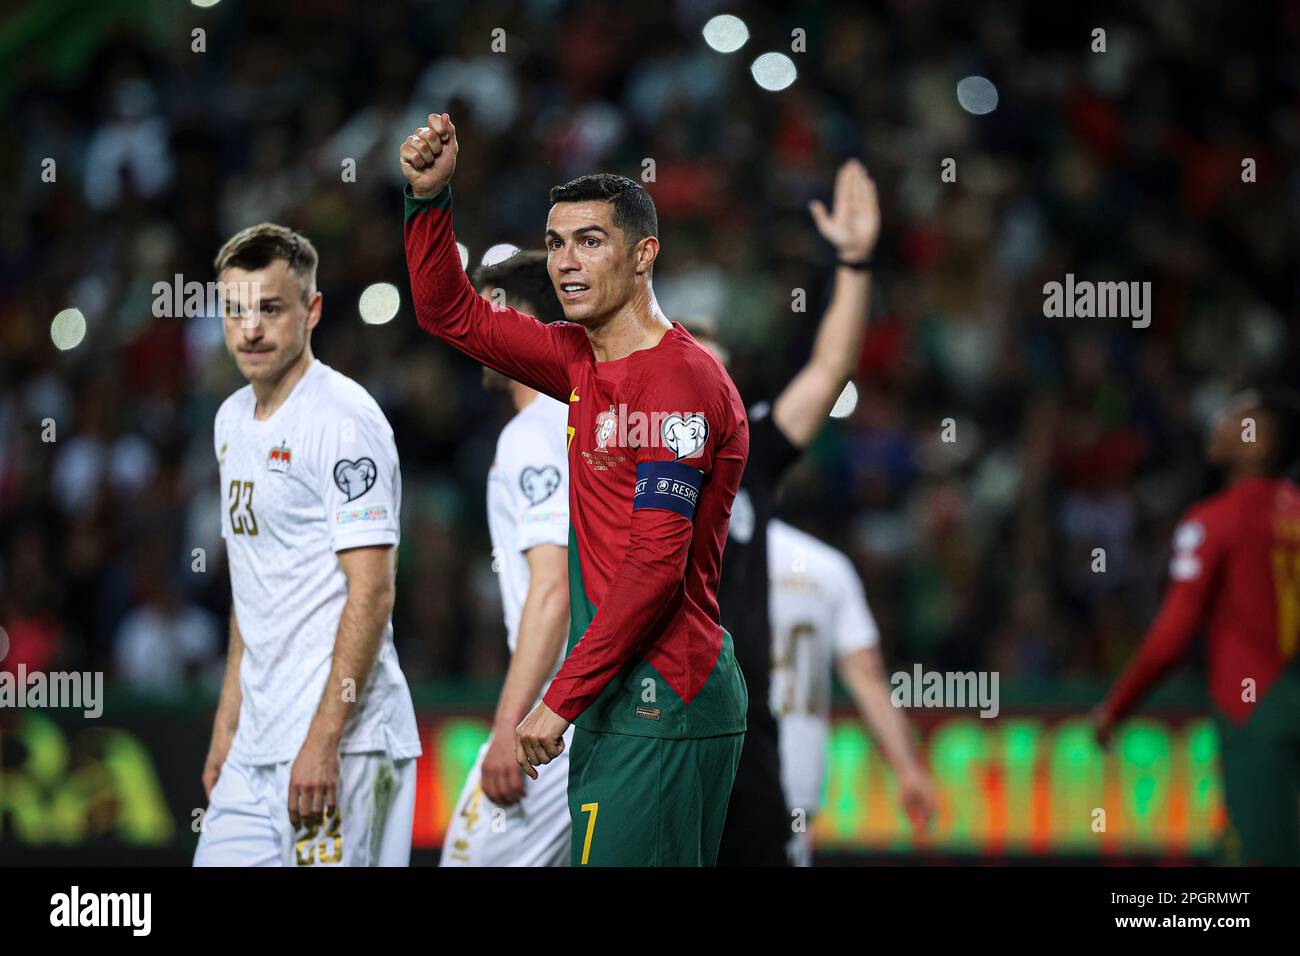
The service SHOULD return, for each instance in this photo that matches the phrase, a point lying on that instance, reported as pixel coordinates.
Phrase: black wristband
(862, 265)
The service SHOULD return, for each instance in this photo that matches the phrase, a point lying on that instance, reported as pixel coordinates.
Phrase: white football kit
(527, 505)
(819, 614)
(318, 477)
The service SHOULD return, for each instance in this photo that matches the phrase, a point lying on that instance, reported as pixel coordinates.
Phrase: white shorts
(247, 821)
(534, 832)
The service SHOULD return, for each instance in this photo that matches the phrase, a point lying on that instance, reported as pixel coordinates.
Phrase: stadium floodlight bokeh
(379, 303)
(726, 33)
(846, 403)
(498, 253)
(774, 71)
(67, 329)
(977, 95)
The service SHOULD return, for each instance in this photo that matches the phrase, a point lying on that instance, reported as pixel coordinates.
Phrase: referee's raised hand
(853, 223)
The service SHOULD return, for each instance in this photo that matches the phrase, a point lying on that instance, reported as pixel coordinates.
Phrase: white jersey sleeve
(854, 627)
(527, 500)
(354, 461)
(536, 475)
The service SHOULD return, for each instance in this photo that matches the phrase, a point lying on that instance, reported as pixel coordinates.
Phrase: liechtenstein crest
(606, 423)
(279, 458)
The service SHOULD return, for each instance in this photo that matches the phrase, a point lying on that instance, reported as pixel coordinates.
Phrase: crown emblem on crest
(279, 458)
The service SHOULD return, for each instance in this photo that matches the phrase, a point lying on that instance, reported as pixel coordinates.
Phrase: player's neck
(640, 324)
(271, 395)
(521, 395)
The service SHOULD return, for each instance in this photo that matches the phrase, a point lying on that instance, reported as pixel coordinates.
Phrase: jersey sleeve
(446, 305)
(536, 473)
(681, 414)
(855, 628)
(1198, 549)
(357, 472)
(770, 453)
(682, 425)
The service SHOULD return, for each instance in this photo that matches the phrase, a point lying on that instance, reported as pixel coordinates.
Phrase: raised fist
(428, 155)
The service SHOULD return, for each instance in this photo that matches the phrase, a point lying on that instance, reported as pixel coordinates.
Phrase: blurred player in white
(312, 760)
(502, 817)
(820, 622)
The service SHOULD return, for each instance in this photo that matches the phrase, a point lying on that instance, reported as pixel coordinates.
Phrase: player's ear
(315, 303)
(647, 250)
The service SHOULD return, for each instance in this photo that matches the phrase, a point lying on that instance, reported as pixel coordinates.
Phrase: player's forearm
(227, 719)
(356, 646)
(446, 305)
(839, 337)
(865, 680)
(443, 297)
(644, 591)
(543, 629)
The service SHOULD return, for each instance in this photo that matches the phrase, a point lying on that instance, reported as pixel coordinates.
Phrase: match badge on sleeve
(685, 435)
(279, 458)
(355, 478)
(538, 484)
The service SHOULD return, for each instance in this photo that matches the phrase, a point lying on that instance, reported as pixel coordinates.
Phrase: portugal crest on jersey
(606, 424)
(279, 458)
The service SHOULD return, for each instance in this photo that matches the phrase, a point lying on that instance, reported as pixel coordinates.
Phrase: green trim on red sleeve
(415, 205)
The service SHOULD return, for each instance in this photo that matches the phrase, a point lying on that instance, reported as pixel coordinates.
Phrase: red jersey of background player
(1236, 570)
(657, 443)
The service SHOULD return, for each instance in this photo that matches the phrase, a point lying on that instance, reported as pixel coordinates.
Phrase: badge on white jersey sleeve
(537, 475)
(359, 478)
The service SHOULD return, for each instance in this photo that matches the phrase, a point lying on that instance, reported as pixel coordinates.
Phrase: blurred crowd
(1067, 435)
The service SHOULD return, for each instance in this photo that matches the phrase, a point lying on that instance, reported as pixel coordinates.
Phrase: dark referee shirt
(758, 826)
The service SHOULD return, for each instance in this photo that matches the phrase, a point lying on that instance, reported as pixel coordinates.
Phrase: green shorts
(649, 801)
(1261, 778)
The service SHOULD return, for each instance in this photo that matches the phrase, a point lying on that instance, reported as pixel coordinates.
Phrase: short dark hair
(634, 210)
(258, 246)
(525, 281)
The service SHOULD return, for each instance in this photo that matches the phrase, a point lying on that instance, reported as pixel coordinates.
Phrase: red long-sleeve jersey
(657, 443)
(1236, 570)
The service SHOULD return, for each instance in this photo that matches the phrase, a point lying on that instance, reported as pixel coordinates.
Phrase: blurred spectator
(166, 643)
